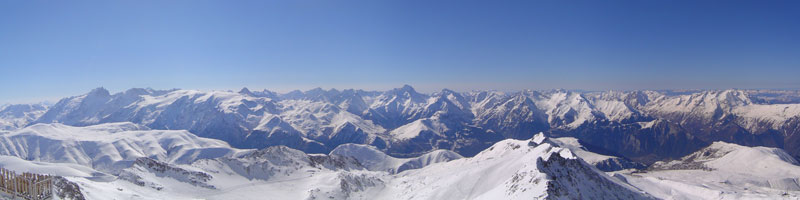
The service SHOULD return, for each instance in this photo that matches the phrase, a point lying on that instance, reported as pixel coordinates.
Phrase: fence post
(26, 185)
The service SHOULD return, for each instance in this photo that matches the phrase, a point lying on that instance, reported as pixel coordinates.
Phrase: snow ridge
(723, 171)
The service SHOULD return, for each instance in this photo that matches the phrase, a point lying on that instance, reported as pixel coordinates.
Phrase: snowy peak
(449, 105)
(568, 109)
(602, 162)
(406, 89)
(515, 169)
(543, 146)
(406, 93)
(456, 98)
(352, 102)
(246, 91)
(734, 98)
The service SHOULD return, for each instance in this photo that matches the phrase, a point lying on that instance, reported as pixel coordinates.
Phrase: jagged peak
(245, 91)
(519, 99)
(406, 92)
(407, 87)
(100, 91)
(446, 91)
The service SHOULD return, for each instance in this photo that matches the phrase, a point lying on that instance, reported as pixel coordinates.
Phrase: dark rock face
(162, 169)
(286, 138)
(567, 175)
(617, 164)
(66, 189)
(663, 140)
(467, 141)
(791, 142)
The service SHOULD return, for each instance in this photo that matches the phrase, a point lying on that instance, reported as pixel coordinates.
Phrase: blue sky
(51, 49)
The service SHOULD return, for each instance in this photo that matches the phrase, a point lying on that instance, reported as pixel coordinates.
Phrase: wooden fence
(26, 185)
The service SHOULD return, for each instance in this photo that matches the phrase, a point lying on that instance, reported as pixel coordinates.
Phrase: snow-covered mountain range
(403, 122)
(403, 144)
(19, 115)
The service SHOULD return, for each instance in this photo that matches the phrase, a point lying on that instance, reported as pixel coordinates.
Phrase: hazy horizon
(54, 99)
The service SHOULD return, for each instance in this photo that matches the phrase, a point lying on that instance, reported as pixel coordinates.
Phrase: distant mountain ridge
(652, 125)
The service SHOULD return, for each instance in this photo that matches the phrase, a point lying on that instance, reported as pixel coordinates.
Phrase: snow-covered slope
(108, 147)
(723, 171)
(376, 160)
(758, 118)
(418, 127)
